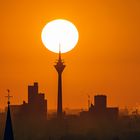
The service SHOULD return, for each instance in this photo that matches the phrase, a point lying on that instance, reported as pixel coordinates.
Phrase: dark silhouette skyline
(98, 123)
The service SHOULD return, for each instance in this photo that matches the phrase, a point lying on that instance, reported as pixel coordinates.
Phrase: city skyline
(70, 70)
(105, 60)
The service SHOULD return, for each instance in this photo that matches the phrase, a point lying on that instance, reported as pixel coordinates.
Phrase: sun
(60, 32)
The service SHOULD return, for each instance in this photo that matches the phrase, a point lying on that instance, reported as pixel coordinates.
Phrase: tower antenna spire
(59, 51)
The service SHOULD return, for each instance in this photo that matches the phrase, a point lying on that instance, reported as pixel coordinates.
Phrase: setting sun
(59, 32)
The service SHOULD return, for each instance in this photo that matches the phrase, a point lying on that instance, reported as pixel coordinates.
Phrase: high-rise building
(100, 110)
(32, 92)
(59, 68)
(100, 102)
(36, 107)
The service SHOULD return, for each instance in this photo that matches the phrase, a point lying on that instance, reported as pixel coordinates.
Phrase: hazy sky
(106, 59)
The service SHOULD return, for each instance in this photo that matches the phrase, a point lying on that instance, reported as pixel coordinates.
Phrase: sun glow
(60, 32)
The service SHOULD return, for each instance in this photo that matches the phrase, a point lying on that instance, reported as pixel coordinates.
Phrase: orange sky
(106, 59)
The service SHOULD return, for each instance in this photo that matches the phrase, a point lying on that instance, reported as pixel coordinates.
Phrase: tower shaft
(59, 98)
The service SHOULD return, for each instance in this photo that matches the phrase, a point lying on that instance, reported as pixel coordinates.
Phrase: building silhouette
(100, 109)
(59, 68)
(8, 133)
(36, 107)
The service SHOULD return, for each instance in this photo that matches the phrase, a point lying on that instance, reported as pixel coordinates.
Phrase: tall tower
(59, 68)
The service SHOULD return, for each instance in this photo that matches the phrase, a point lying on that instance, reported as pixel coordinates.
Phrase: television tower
(59, 68)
